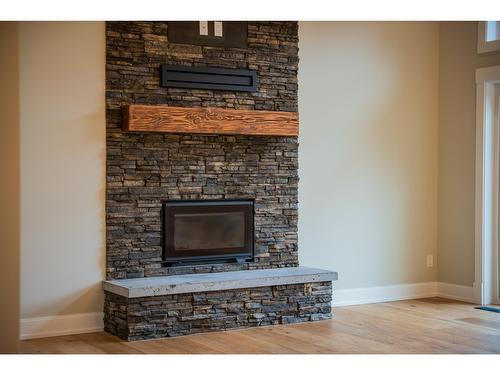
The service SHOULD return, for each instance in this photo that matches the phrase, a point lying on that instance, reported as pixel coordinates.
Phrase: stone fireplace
(252, 276)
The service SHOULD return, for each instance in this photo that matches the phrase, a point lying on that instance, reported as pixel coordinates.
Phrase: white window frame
(487, 185)
(484, 46)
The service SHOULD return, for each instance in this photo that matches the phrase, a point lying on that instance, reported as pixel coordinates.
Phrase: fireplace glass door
(207, 231)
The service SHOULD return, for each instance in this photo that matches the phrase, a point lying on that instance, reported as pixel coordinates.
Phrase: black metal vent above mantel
(208, 78)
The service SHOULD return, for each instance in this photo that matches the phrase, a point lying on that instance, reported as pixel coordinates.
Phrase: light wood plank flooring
(432, 325)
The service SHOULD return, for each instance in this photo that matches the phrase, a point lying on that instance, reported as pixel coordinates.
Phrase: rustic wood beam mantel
(200, 120)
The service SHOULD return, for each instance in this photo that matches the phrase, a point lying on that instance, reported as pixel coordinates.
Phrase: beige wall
(62, 167)
(457, 141)
(368, 102)
(9, 187)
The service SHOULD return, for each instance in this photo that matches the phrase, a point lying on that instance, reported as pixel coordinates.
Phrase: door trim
(486, 196)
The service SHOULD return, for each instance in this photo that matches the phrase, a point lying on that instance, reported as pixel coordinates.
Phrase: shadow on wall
(98, 119)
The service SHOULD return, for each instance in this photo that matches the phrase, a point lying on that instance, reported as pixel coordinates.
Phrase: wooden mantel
(200, 120)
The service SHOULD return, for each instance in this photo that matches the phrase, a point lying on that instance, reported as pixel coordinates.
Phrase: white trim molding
(487, 186)
(61, 325)
(484, 45)
(390, 293)
(456, 292)
(361, 296)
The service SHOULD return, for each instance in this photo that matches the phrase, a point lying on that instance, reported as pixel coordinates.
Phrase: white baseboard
(457, 292)
(61, 325)
(360, 296)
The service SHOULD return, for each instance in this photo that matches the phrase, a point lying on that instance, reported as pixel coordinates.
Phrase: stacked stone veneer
(182, 314)
(145, 169)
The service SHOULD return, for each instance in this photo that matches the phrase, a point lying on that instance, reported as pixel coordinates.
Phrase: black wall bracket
(208, 78)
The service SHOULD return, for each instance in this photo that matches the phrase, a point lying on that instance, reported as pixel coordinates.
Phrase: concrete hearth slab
(204, 282)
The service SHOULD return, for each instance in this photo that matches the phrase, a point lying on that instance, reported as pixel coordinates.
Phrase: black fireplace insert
(207, 231)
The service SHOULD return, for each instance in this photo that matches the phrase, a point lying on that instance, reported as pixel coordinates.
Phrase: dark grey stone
(145, 169)
(183, 314)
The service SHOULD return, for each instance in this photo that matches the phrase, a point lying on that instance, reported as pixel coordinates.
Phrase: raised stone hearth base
(184, 314)
(174, 314)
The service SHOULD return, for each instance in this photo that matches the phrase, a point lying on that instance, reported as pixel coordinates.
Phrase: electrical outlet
(430, 260)
(203, 27)
(218, 28)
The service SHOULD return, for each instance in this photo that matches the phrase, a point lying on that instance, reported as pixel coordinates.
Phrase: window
(488, 36)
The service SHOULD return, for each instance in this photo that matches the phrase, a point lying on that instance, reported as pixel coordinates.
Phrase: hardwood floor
(432, 325)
